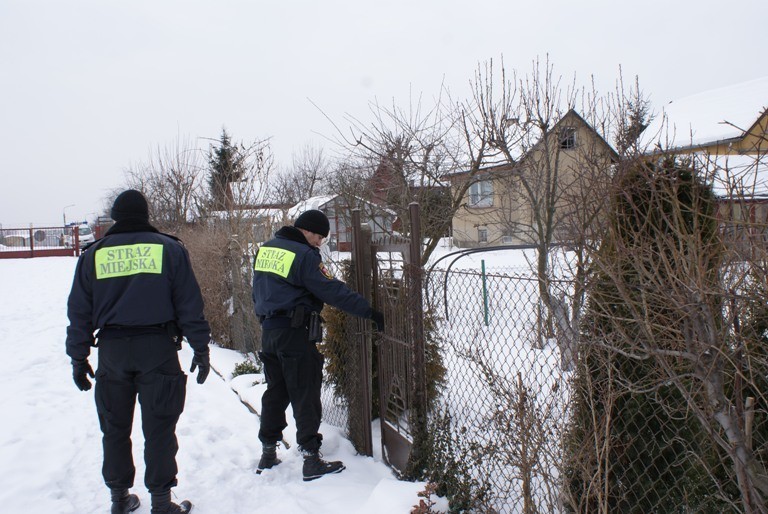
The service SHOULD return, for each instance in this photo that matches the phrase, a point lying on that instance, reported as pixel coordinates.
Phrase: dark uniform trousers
(294, 370)
(146, 365)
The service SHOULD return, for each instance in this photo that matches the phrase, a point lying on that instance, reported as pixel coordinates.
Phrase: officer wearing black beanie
(136, 287)
(130, 204)
(290, 286)
(314, 221)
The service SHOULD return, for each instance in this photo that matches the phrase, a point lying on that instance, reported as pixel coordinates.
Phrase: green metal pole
(485, 293)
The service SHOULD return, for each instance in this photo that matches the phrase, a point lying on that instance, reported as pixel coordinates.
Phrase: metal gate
(24, 243)
(396, 290)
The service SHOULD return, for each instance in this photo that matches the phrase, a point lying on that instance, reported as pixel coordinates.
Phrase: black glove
(201, 360)
(378, 318)
(80, 371)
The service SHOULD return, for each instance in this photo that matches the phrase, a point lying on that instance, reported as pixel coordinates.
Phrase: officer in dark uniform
(136, 287)
(290, 286)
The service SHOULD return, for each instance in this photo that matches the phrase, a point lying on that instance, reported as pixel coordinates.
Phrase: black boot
(316, 467)
(162, 504)
(268, 458)
(124, 502)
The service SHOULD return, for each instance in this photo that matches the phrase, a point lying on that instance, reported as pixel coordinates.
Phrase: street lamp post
(64, 213)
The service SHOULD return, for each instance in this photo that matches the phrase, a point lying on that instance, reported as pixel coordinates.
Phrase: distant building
(261, 219)
(339, 211)
(492, 211)
(724, 133)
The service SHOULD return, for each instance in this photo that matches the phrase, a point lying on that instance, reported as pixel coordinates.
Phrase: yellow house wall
(467, 220)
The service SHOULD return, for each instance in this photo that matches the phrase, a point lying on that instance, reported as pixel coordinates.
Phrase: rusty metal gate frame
(396, 290)
(34, 247)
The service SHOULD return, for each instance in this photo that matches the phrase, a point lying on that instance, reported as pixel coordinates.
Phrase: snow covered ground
(50, 443)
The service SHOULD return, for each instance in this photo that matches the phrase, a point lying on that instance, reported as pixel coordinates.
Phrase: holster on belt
(174, 332)
(315, 327)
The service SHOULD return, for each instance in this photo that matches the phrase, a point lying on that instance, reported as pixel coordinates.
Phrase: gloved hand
(201, 360)
(378, 318)
(80, 371)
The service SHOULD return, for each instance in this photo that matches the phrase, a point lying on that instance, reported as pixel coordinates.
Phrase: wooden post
(418, 349)
(361, 254)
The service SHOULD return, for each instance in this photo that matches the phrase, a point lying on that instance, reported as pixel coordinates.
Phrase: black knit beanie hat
(130, 204)
(315, 221)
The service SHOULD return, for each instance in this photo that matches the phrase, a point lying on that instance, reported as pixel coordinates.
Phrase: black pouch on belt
(315, 327)
(297, 320)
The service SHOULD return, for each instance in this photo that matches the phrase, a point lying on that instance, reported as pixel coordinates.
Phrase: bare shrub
(224, 276)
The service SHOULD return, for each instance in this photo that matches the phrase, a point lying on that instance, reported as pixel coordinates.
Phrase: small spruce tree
(634, 445)
(225, 163)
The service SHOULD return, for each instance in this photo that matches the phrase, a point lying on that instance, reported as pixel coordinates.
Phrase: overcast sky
(88, 88)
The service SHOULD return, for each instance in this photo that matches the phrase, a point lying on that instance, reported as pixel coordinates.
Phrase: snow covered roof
(276, 215)
(709, 117)
(319, 202)
(314, 202)
(736, 176)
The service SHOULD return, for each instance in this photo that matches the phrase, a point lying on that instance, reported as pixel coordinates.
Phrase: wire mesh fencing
(497, 425)
(549, 396)
(603, 411)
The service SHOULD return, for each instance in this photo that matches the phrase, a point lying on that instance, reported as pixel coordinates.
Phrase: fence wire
(541, 414)
(538, 410)
(502, 408)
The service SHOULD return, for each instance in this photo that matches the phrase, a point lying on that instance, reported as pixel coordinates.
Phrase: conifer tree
(225, 163)
(634, 444)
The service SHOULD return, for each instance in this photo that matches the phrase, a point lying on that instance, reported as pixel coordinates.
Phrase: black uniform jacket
(289, 273)
(134, 279)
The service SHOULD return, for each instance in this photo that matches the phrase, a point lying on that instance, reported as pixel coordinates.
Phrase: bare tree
(307, 177)
(410, 153)
(633, 115)
(240, 173)
(552, 166)
(171, 180)
(351, 178)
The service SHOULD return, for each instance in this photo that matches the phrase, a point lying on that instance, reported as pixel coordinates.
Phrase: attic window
(568, 138)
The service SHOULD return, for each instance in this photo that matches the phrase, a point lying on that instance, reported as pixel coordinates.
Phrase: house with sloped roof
(339, 208)
(261, 220)
(495, 212)
(724, 133)
(730, 120)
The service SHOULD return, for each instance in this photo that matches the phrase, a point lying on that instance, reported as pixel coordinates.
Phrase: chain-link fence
(544, 412)
(548, 402)
(499, 421)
